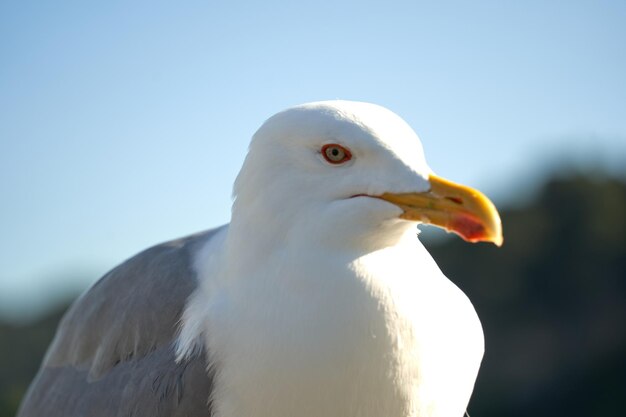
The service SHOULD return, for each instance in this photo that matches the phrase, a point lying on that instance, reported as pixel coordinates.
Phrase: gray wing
(113, 354)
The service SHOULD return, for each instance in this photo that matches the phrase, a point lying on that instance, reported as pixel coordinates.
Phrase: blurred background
(124, 124)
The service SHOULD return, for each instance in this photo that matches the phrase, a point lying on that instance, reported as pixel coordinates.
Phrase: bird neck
(323, 227)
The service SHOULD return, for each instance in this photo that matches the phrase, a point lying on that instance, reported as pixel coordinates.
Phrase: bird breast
(344, 337)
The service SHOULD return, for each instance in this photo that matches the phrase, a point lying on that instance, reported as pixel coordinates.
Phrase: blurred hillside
(21, 351)
(552, 301)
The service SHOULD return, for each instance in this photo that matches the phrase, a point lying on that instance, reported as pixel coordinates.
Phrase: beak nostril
(456, 200)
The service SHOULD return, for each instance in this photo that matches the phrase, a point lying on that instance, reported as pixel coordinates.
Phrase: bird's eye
(336, 154)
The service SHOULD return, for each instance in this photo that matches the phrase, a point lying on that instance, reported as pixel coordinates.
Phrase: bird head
(352, 169)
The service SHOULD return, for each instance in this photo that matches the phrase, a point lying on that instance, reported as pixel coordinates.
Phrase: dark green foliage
(21, 351)
(552, 301)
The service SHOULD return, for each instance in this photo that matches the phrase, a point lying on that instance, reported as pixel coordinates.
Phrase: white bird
(316, 300)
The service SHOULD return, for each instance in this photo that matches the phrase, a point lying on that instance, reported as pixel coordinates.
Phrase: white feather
(313, 303)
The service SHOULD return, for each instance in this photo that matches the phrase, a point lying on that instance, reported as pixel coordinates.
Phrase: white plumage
(318, 299)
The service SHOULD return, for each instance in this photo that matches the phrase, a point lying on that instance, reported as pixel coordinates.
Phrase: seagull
(317, 299)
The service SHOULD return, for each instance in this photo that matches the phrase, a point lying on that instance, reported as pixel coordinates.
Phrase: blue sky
(123, 124)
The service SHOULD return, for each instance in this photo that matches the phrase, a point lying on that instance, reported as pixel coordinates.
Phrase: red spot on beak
(468, 228)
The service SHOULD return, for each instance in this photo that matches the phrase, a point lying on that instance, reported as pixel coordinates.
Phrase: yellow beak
(453, 207)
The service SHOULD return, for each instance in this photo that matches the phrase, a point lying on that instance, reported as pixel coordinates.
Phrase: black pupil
(335, 151)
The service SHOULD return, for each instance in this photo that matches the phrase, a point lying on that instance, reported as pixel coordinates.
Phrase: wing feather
(113, 354)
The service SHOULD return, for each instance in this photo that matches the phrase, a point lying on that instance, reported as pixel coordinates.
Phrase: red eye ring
(336, 154)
